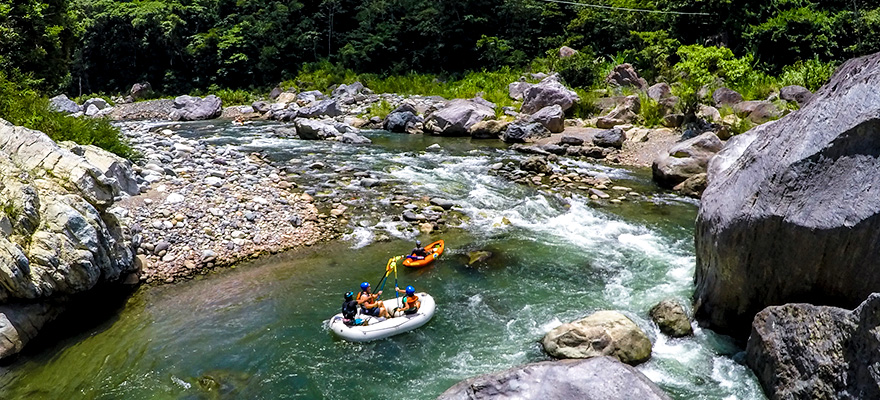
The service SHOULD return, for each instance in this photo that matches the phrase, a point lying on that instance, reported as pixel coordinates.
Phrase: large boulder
(686, 159)
(311, 129)
(757, 111)
(798, 94)
(551, 117)
(613, 137)
(547, 93)
(189, 108)
(329, 107)
(659, 91)
(522, 132)
(726, 97)
(488, 129)
(517, 90)
(57, 236)
(402, 119)
(141, 90)
(61, 103)
(119, 170)
(344, 90)
(600, 378)
(604, 333)
(672, 319)
(625, 75)
(802, 351)
(458, 115)
(624, 113)
(792, 209)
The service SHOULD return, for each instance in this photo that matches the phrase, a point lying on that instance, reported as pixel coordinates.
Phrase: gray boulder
(275, 92)
(659, 91)
(802, 351)
(58, 237)
(98, 102)
(517, 90)
(798, 94)
(354, 138)
(685, 159)
(758, 112)
(551, 117)
(726, 97)
(61, 103)
(488, 129)
(604, 333)
(327, 107)
(344, 90)
(310, 97)
(625, 75)
(91, 110)
(627, 111)
(547, 93)
(119, 170)
(519, 132)
(566, 52)
(457, 116)
(610, 138)
(402, 119)
(600, 378)
(671, 318)
(571, 140)
(189, 108)
(140, 91)
(791, 209)
(310, 129)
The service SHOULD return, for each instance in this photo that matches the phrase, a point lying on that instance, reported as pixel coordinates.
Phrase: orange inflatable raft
(434, 251)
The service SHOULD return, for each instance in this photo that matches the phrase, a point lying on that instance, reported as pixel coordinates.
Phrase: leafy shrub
(702, 65)
(655, 54)
(581, 69)
(380, 109)
(234, 97)
(811, 74)
(21, 105)
(586, 106)
(650, 110)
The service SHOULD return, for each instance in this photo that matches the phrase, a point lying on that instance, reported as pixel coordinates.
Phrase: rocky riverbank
(209, 206)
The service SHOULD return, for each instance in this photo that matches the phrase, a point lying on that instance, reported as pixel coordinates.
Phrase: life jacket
(411, 300)
(349, 309)
(361, 295)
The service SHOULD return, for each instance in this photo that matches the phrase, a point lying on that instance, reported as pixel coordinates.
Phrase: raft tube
(375, 329)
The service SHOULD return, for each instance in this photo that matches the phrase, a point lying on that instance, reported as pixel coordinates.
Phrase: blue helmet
(410, 290)
(365, 285)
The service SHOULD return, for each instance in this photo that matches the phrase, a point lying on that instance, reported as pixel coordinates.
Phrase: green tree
(36, 40)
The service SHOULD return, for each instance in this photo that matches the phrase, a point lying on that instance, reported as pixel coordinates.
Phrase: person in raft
(411, 302)
(368, 303)
(418, 253)
(349, 308)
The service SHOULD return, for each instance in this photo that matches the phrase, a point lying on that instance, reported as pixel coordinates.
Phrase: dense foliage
(23, 106)
(180, 46)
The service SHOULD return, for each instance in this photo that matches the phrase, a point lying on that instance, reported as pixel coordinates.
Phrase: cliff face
(792, 209)
(58, 236)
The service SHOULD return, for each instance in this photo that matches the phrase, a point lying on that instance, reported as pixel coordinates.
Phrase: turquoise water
(258, 331)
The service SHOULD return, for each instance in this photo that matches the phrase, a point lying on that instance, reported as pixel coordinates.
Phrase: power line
(626, 9)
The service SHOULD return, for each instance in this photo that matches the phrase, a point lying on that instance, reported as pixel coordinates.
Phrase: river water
(258, 331)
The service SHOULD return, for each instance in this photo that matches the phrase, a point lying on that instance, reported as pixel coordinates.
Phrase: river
(258, 330)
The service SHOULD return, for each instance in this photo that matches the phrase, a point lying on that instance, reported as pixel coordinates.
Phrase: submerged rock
(601, 378)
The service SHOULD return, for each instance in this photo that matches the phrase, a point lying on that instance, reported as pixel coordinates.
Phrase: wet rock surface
(601, 378)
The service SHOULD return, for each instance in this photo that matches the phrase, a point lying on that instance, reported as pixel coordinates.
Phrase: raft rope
(626, 9)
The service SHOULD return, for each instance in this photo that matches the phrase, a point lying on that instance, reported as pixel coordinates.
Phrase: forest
(189, 46)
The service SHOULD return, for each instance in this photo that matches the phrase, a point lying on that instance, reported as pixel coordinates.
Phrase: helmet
(365, 285)
(410, 290)
(419, 243)
(349, 295)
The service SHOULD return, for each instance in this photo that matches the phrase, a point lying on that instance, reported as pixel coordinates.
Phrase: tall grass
(21, 105)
